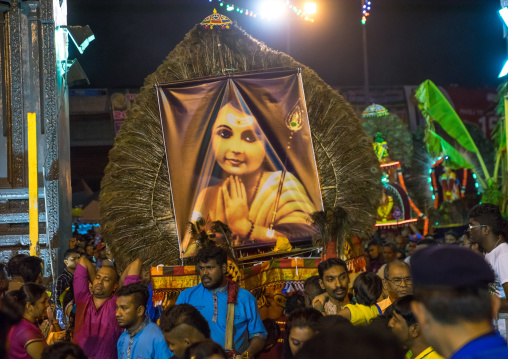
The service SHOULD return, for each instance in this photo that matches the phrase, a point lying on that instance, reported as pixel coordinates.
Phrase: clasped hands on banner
(236, 207)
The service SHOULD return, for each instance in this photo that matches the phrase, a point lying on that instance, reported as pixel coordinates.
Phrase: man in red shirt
(96, 329)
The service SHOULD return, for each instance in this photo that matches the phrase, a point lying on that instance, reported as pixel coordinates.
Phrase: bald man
(96, 329)
(182, 326)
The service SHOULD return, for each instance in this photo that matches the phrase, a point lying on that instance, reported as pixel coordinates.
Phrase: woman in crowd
(27, 340)
(301, 326)
(367, 288)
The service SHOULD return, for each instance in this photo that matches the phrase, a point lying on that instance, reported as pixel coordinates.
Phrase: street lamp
(80, 35)
(272, 9)
(310, 8)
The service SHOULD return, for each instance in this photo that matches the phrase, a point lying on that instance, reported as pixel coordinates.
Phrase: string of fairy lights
(269, 9)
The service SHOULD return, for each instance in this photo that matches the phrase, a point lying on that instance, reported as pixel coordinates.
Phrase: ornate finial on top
(375, 111)
(216, 19)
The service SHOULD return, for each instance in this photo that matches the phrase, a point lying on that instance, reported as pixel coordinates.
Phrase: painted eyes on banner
(247, 136)
(224, 133)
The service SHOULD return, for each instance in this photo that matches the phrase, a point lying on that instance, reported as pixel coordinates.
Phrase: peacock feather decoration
(137, 217)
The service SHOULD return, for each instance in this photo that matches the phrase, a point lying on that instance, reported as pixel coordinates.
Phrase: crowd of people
(419, 298)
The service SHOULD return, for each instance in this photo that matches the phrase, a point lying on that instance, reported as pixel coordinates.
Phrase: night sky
(452, 42)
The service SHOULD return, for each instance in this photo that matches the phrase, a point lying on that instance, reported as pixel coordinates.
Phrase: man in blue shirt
(141, 338)
(210, 298)
(453, 304)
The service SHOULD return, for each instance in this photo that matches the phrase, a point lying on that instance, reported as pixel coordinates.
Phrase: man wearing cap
(101, 254)
(453, 304)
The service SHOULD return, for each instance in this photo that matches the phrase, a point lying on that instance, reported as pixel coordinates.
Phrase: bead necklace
(257, 187)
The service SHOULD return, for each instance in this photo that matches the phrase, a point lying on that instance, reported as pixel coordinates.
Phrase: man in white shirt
(487, 227)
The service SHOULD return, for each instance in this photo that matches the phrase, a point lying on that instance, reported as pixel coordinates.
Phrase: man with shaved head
(396, 282)
(182, 326)
(96, 328)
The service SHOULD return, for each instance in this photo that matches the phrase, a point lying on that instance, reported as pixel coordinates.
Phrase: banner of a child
(239, 151)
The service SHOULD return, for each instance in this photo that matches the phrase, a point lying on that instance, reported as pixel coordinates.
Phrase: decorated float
(449, 185)
(396, 208)
(271, 282)
(309, 190)
(465, 166)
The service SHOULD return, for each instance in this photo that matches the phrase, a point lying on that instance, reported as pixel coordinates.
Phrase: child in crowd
(367, 288)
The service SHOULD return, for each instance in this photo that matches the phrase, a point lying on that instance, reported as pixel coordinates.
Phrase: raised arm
(132, 269)
(89, 267)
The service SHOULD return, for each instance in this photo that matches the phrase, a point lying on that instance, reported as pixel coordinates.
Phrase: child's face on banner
(237, 142)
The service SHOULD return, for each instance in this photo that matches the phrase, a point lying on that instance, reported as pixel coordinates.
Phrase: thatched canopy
(136, 211)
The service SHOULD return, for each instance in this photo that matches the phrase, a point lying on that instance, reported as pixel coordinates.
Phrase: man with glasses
(487, 227)
(397, 283)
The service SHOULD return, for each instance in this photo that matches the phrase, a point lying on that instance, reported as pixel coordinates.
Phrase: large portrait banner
(239, 151)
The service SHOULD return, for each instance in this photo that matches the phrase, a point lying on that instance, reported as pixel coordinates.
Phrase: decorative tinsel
(136, 211)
